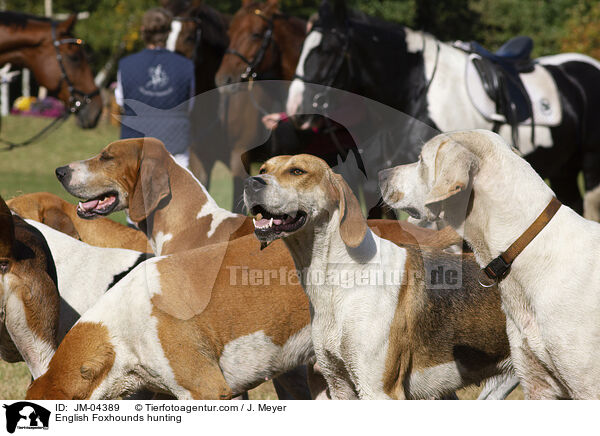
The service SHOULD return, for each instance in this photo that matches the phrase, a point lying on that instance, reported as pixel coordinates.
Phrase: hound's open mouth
(269, 226)
(101, 205)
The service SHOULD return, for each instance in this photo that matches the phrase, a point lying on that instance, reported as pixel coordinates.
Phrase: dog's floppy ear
(454, 167)
(7, 231)
(153, 180)
(353, 225)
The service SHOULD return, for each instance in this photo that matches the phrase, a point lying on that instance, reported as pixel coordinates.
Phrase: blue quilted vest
(163, 80)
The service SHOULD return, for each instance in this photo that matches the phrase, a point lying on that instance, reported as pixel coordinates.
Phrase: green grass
(31, 168)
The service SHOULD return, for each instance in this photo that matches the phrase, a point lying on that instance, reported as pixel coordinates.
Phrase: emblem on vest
(156, 86)
(545, 106)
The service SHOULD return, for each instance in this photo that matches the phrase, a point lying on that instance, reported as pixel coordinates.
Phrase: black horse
(417, 74)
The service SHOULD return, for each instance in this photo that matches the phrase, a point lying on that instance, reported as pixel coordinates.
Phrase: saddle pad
(539, 84)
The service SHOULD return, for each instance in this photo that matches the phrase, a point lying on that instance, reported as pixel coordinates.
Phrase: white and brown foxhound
(388, 321)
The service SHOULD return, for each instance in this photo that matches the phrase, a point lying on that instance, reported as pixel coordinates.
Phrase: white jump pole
(26, 83)
(4, 89)
(43, 92)
(4, 100)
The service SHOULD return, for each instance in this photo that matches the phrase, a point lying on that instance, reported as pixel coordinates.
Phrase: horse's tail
(567, 63)
(7, 236)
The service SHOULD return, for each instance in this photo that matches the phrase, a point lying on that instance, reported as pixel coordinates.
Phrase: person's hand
(271, 120)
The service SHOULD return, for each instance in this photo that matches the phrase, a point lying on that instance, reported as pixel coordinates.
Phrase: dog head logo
(26, 415)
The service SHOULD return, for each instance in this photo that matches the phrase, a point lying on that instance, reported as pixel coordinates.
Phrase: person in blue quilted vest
(156, 86)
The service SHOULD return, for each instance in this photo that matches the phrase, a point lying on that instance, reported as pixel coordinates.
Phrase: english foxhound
(207, 323)
(388, 321)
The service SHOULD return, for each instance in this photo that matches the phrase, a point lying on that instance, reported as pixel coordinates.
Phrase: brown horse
(264, 44)
(56, 59)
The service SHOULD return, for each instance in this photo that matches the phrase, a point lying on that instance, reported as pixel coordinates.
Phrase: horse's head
(69, 75)
(202, 37)
(251, 51)
(187, 39)
(325, 60)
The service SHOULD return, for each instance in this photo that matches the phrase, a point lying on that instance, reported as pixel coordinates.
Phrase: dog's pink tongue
(89, 205)
(277, 221)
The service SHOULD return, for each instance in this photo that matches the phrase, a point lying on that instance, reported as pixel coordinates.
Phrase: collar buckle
(497, 269)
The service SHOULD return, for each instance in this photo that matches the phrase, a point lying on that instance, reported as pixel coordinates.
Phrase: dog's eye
(262, 171)
(297, 171)
(105, 157)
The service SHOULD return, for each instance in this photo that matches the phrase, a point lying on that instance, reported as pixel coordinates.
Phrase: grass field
(31, 169)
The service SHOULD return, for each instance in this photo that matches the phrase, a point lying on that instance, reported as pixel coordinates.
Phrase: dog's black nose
(63, 172)
(255, 183)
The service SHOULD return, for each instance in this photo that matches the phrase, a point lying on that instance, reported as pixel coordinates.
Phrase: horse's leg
(201, 166)
(238, 173)
(591, 175)
(565, 186)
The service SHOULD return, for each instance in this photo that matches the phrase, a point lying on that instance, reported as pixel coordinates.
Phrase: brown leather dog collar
(498, 268)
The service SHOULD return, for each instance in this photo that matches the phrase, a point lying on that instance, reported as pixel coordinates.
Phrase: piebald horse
(56, 59)
(425, 78)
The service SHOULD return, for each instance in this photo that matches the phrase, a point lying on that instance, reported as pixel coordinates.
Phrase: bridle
(197, 54)
(250, 72)
(77, 98)
(321, 99)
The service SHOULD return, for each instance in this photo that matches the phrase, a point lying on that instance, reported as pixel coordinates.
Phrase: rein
(75, 104)
(320, 99)
(250, 73)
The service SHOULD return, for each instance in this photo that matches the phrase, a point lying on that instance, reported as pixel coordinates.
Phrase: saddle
(500, 76)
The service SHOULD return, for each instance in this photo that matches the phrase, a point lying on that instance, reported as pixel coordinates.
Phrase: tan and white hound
(388, 321)
(164, 199)
(207, 323)
(551, 293)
